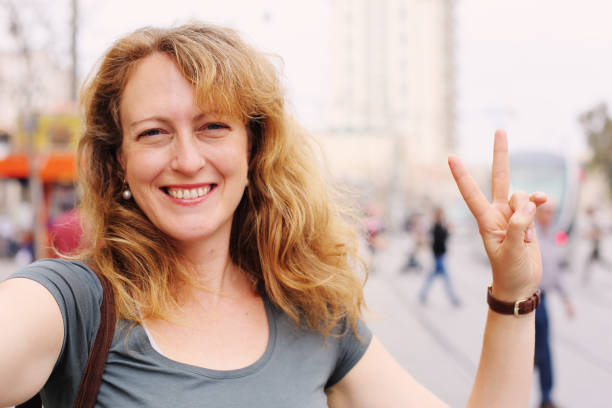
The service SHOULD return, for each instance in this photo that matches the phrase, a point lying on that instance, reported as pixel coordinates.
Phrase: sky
(528, 66)
(531, 67)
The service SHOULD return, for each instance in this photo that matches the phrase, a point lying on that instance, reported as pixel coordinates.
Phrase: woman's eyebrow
(166, 120)
(149, 118)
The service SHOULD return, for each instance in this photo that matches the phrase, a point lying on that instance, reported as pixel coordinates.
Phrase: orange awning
(58, 167)
(14, 166)
(53, 167)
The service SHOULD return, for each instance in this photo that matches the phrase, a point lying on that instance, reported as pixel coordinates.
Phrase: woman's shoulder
(72, 283)
(72, 273)
(55, 264)
(339, 351)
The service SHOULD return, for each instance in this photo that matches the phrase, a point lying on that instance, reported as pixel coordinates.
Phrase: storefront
(28, 213)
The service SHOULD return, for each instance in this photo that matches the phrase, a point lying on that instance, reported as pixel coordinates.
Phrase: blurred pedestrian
(417, 232)
(551, 282)
(7, 236)
(375, 228)
(25, 253)
(594, 234)
(439, 236)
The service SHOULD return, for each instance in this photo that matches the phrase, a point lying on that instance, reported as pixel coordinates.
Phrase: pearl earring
(127, 194)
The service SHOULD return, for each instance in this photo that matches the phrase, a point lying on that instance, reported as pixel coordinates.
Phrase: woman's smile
(188, 193)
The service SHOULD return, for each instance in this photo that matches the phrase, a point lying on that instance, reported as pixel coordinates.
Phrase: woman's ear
(121, 158)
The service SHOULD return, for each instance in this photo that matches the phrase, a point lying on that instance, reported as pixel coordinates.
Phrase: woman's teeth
(188, 193)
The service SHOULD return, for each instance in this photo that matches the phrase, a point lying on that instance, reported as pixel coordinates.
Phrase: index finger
(473, 197)
(500, 173)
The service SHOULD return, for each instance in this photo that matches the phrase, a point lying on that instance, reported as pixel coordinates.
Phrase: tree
(597, 126)
(37, 43)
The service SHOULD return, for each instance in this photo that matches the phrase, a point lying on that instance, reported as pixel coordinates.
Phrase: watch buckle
(516, 308)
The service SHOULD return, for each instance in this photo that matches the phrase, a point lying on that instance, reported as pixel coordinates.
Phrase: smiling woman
(232, 261)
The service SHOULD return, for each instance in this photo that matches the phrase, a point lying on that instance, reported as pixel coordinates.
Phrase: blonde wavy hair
(289, 233)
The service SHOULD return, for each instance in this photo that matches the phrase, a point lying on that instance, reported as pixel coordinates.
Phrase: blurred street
(440, 344)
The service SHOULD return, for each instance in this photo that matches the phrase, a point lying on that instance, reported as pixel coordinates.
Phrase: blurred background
(390, 88)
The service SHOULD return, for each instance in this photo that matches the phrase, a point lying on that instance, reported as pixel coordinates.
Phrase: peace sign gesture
(506, 226)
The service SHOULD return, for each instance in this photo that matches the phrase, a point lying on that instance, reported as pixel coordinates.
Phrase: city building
(392, 114)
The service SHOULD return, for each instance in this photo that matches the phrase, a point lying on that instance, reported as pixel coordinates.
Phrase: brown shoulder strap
(34, 402)
(92, 376)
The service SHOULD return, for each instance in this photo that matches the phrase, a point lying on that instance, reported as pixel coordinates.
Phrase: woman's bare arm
(377, 380)
(32, 335)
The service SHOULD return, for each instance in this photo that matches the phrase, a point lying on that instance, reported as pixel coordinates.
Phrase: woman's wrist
(508, 295)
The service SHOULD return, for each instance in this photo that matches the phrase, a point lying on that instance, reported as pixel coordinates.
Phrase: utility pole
(74, 51)
(29, 120)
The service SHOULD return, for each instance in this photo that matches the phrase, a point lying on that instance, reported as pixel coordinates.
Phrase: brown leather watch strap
(520, 307)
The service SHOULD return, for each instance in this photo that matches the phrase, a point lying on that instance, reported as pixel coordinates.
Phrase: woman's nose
(188, 157)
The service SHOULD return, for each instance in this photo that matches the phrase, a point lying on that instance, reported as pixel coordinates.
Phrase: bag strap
(92, 376)
(34, 402)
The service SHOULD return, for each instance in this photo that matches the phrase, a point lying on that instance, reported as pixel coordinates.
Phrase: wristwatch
(520, 307)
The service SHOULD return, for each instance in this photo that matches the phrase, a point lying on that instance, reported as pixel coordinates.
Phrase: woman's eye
(150, 132)
(215, 126)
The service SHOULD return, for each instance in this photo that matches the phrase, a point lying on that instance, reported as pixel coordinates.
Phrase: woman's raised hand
(506, 225)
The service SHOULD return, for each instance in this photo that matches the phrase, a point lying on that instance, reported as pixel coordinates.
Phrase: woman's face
(186, 167)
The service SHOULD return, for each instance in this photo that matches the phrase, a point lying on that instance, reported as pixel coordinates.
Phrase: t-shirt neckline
(223, 374)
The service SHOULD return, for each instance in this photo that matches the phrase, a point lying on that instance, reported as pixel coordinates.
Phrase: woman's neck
(218, 276)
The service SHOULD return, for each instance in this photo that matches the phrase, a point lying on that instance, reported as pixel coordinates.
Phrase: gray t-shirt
(294, 371)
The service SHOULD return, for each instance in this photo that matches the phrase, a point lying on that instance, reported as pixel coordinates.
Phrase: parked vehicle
(558, 176)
